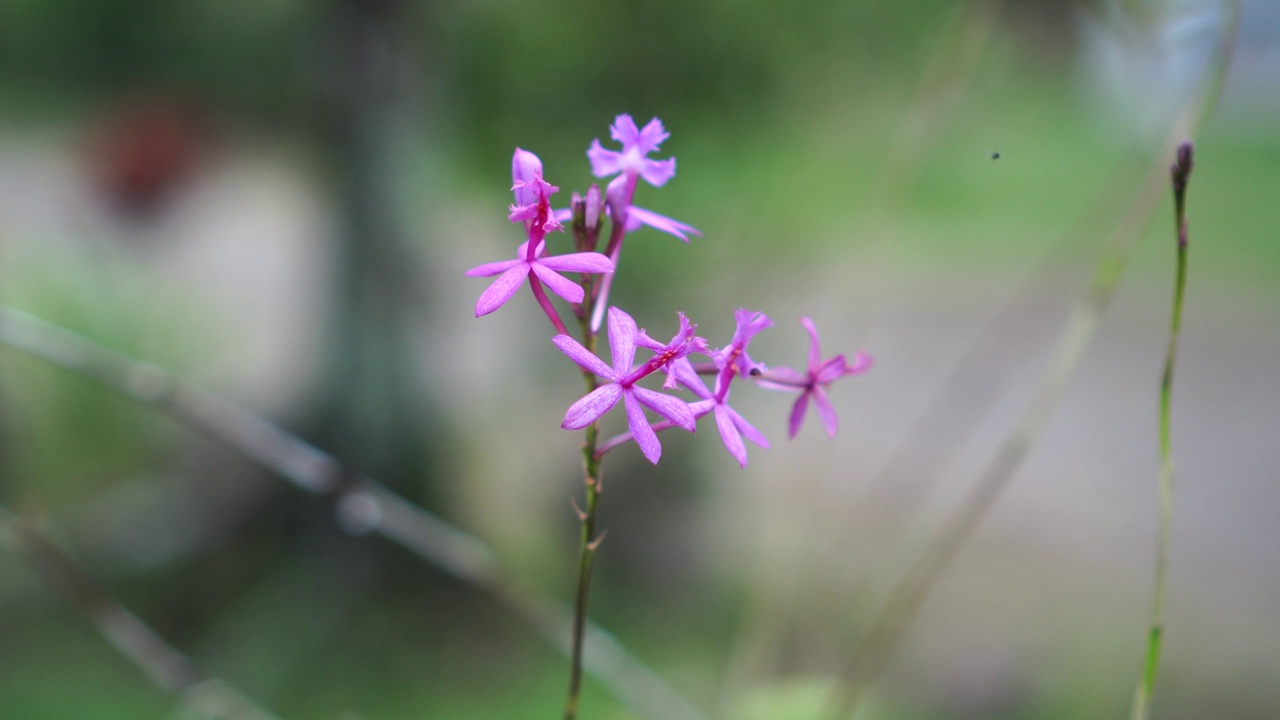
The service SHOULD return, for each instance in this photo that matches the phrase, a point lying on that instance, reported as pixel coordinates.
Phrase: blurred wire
(362, 505)
(201, 695)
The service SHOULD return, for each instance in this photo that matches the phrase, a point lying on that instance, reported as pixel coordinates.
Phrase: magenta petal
(559, 284)
(651, 136)
(494, 268)
(826, 413)
(747, 428)
(861, 363)
(815, 352)
(702, 407)
(603, 162)
(582, 356)
(584, 262)
(660, 222)
(592, 406)
(624, 130)
(797, 414)
(520, 213)
(671, 408)
(622, 341)
(658, 172)
(525, 166)
(830, 370)
(498, 293)
(729, 433)
(562, 215)
(641, 432)
(688, 377)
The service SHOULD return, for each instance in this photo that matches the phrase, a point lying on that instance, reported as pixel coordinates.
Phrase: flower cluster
(589, 301)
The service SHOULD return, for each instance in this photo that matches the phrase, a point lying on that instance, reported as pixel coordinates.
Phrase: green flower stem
(590, 542)
(1146, 684)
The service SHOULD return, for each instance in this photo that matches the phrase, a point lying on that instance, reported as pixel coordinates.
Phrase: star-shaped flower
(622, 345)
(636, 145)
(814, 381)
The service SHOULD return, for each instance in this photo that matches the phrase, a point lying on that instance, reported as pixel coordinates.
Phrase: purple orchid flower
(623, 336)
(632, 163)
(731, 425)
(636, 145)
(533, 208)
(814, 382)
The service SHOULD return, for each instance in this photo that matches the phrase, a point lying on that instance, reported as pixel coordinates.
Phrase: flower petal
(660, 222)
(830, 370)
(861, 363)
(592, 405)
(603, 162)
(702, 407)
(582, 356)
(583, 262)
(797, 414)
(501, 290)
(729, 433)
(826, 413)
(815, 352)
(747, 428)
(671, 408)
(688, 377)
(641, 432)
(624, 130)
(648, 139)
(622, 341)
(559, 284)
(494, 268)
(658, 172)
(525, 166)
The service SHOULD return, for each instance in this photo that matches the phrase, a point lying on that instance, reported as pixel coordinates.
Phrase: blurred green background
(277, 199)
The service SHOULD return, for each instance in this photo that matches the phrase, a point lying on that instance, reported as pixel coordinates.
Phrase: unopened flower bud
(525, 166)
(616, 197)
(594, 206)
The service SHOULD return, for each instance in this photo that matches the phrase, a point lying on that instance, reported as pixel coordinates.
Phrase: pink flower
(623, 336)
(814, 382)
(533, 208)
(636, 145)
(631, 163)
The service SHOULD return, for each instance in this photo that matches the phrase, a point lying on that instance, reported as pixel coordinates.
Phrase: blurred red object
(142, 151)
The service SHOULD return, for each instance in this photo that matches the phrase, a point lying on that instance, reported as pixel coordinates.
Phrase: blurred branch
(362, 504)
(872, 653)
(201, 695)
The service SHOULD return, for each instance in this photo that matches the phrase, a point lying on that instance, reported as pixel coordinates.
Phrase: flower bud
(616, 198)
(525, 166)
(594, 206)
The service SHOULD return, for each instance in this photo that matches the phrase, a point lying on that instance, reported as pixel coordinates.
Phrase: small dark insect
(995, 155)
